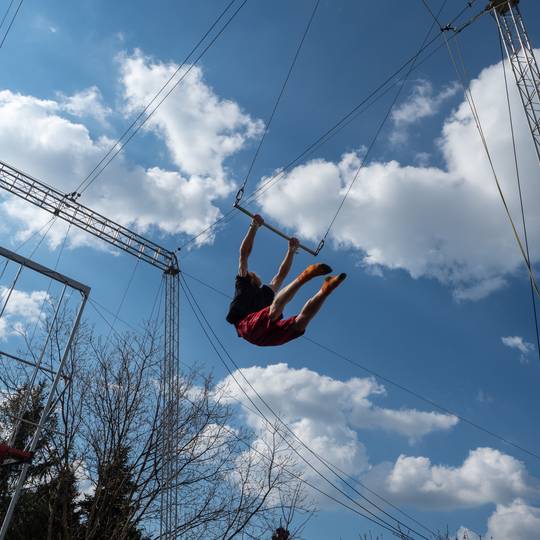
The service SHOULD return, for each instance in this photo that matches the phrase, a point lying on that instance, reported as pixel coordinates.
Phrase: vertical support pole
(43, 418)
(170, 406)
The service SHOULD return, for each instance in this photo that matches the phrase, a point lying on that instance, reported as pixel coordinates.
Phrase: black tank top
(248, 298)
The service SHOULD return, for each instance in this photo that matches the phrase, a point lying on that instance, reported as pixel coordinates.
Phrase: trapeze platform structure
(65, 207)
(39, 369)
(521, 56)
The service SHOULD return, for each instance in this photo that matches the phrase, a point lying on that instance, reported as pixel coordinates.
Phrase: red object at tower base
(12, 456)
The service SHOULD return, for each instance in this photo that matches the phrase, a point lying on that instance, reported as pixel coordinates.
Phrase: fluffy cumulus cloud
(326, 413)
(446, 223)
(515, 521)
(518, 343)
(199, 130)
(422, 103)
(22, 308)
(486, 476)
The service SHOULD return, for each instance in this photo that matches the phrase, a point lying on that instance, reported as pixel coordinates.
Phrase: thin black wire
(16, 249)
(119, 140)
(139, 328)
(126, 290)
(387, 527)
(99, 308)
(6, 13)
(381, 126)
(339, 125)
(11, 23)
(41, 240)
(276, 104)
(327, 136)
(518, 178)
(89, 180)
(435, 17)
(63, 245)
(185, 287)
(360, 483)
(297, 476)
(413, 393)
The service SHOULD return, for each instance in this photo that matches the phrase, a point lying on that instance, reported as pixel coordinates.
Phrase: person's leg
(313, 305)
(286, 294)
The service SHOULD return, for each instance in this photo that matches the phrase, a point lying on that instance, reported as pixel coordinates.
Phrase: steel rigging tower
(521, 56)
(66, 208)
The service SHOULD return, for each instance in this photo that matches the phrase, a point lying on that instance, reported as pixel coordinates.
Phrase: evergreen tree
(108, 512)
(34, 519)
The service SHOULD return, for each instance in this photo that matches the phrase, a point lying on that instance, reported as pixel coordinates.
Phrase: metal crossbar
(44, 271)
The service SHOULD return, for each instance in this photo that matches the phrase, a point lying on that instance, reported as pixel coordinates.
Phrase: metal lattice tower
(66, 208)
(39, 366)
(521, 56)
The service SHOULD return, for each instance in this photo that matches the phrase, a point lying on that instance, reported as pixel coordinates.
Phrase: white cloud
(486, 476)
(200, 131)
(87, 103)
(327, 413)
(515, 521)
(422, 103)
(443, 223)
(517, 342)
(22, 308)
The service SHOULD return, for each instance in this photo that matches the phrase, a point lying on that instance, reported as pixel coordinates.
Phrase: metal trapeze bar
(277, 231)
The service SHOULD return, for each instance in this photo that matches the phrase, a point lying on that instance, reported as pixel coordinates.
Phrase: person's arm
(247, 245)
(285, 266)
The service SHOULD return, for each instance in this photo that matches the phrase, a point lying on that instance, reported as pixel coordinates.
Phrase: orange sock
(331, 282)
(313, 270)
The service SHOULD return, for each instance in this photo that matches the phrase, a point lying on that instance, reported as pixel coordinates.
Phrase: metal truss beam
(59, 204)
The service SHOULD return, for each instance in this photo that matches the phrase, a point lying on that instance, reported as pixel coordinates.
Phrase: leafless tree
(106, 437)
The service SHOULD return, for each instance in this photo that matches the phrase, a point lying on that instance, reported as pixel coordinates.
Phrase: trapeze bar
(84, 289)
(278, 232)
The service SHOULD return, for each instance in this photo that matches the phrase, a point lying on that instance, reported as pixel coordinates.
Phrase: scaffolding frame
(58, 376)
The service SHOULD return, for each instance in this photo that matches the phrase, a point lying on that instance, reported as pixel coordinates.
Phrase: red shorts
(259, 329)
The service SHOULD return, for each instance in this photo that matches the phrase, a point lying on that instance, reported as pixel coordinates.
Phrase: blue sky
(435, 278)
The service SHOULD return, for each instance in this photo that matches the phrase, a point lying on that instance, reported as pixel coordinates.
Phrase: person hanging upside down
(257, 310)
